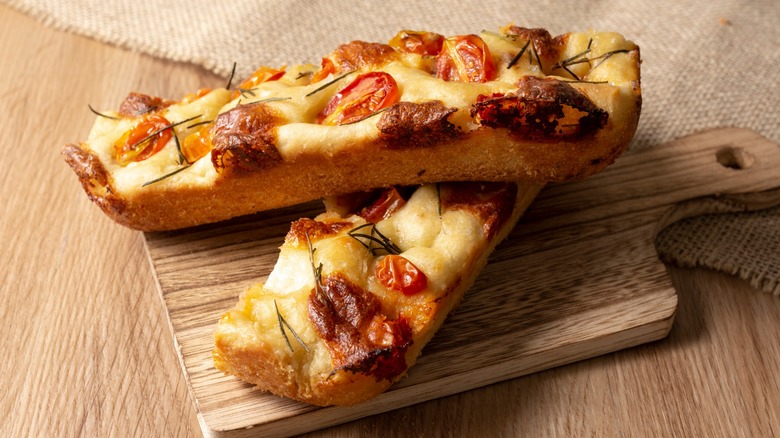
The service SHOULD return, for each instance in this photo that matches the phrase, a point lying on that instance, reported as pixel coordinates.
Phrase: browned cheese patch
(542, 109)
(408, 125)
(136, 104)
(244, 139)
(542, 44)
(313, 230)
(491, 202)
(357, 55)
(360, 338)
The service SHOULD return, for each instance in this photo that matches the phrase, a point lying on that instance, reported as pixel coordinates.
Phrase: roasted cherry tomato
(328, 68)
(421, 43)
(367, 94)
(388, 202)
(399, 274)
(197, 144)
(261, 75)
(144, 140)
(465, 58)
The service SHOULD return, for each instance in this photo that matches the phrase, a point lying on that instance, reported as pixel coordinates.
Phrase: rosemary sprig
(171, 126)
(569, 61)
(270, 99)
(580, 81)
(571, 73)
(606, 56)
(603, 57)
(580, 58)
(317, 271)
(230, 79)
(498, 35)
(385, 244)
(438, 196)
(182, 158)
(246, 91)
(303, 74)
(168, 175)
(95, 112)
(205, 122)
(273, 99)
(536, 54)
(368, 116)
(282, 324)
(330, 83)
(518, 56)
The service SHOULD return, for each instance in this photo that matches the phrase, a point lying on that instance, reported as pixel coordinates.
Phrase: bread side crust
(485, 154)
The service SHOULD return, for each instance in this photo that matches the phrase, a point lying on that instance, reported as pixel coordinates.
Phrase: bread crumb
(723, 21)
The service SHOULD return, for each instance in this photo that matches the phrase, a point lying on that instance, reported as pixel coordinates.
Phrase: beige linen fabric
(744, 244)
(705, 64)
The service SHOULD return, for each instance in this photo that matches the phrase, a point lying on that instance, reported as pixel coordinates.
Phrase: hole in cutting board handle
(735, 158)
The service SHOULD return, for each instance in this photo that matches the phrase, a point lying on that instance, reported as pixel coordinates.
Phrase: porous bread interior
(451, 250)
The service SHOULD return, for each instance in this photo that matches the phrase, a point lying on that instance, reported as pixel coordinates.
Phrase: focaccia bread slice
(513, 105)
(354, 298)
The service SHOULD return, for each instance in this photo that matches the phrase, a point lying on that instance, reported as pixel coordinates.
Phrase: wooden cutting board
(578, 277)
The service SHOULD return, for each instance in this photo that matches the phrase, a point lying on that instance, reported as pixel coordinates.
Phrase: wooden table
(85, 336)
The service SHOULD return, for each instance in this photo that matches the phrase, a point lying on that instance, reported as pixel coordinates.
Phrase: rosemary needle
(94, 111)
(330, 83)
(168, 175)
(282, 324)
(230, 79)
(518, 56)
(171, 126)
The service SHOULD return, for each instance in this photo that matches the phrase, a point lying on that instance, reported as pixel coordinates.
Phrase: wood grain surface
(578, 277)
(86, 343)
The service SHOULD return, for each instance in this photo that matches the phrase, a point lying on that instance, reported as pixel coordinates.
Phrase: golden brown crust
(357, 55)
(244, 140)
(136, 104)
(95, 180)
(416, 125)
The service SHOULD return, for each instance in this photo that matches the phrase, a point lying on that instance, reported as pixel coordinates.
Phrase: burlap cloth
(705, 64)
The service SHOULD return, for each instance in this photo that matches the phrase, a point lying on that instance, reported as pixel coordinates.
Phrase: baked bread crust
(269, 151)
(325, 364)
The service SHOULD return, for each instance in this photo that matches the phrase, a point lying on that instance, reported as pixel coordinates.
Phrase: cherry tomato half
(141, 142)
(399, 274)
(388, 202)
(421, 43)
(261, 75)
(465, 58)
(197, 144)
(328, 68)
(367, 94)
